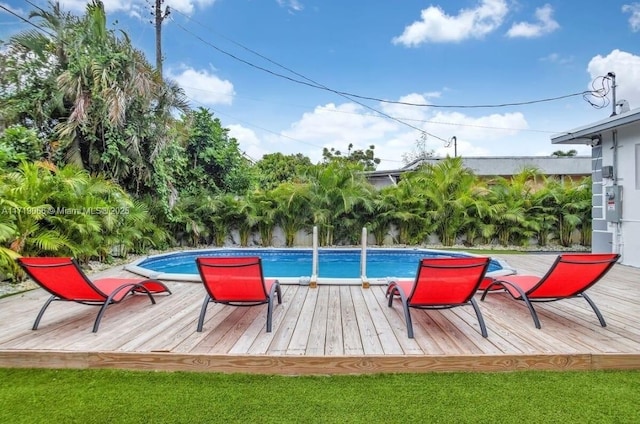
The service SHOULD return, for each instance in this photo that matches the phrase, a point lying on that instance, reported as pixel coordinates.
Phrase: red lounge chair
(441, 283)
(65, 280)
(236, 281)
(569, 276)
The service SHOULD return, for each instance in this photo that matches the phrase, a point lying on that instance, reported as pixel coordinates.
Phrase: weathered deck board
(330, 329)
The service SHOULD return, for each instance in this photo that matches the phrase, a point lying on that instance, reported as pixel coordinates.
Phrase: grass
(113, 396)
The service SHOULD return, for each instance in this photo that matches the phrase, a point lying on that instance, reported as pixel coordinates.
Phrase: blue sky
(438, 53)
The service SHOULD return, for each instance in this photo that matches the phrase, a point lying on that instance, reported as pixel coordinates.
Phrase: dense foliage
(102, 157)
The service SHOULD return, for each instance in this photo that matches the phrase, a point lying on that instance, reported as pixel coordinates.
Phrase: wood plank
(329, 330)
(302, 332)
(334, 338)
(318, 332)
(371, 344)
(395, 320)
(388, 341)
(350, 329)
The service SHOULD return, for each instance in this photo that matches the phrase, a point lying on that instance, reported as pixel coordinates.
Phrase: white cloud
(406, 112)
(436, 26)
(248, 141)
(556, 58)
(292, 5)
(475, 136)
(335, 126)
(626, 66)
(484, 128)
(338, 125)
(203, 87)
(634, 19)
(545, 24)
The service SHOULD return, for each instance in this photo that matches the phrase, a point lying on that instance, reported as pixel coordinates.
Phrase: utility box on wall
(613, 203)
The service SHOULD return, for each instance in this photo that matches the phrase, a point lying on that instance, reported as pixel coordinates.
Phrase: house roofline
(587, 133)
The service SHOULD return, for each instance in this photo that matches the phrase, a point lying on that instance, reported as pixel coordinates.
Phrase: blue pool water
(333, 263)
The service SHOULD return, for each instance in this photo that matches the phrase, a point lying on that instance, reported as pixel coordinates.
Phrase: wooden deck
(329, 330)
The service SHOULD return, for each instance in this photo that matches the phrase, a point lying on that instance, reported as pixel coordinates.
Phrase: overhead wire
(310, 83)
(11, 12)
(425, 121)
(595, 92)
(255, 125)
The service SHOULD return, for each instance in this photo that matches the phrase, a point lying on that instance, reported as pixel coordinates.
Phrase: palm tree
(405, 210)
(511, 200)
(29, 69)
(478, 210)
(379, 219)
(293, 212)
(571, 206)
(187, 220)
(266, 208)
(561, 153)
(110, 108)
(339, 197)
(543, 212)
(448, 190)
(28, 192)
(584, 210)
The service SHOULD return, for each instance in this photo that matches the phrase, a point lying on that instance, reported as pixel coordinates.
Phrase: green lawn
(107, 396)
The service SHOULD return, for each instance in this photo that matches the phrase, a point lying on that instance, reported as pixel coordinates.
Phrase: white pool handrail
(314, 259)
(363, 260)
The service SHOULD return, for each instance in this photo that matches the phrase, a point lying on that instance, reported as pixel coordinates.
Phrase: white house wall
(626, 234)
(608, 235)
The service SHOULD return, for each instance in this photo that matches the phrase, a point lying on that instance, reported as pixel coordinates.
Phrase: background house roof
(492, 166)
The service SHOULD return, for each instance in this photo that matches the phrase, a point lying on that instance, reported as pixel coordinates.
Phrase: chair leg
(103, 308)
(392, 290)
(483, 327)
(44, 308)
(523, 296)
(595, 309)
(269, 314)
(203, 312)
(275, 291)
(407, 319)
(534, 315)
(279, 293)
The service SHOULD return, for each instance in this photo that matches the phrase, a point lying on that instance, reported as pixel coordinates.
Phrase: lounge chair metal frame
(481, 265)
(529, 295)
(101, 297)
(274, 290)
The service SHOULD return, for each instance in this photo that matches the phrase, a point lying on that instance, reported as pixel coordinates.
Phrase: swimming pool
(294, 265)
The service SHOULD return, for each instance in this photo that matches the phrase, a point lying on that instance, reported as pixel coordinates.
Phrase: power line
(254, 125)
(596, 92)
(279, 134)
(424, 121)
(312, 83)
(6, 9)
